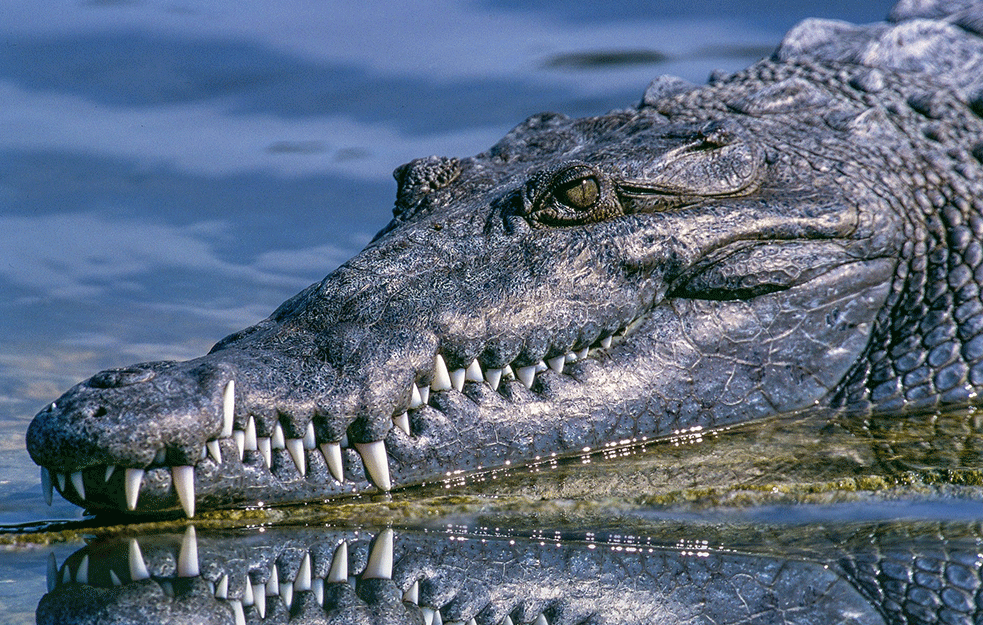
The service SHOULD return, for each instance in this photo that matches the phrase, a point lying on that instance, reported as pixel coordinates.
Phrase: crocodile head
(692, 262)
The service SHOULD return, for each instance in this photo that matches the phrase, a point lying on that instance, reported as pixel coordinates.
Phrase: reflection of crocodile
(896, 573)
(805, 231)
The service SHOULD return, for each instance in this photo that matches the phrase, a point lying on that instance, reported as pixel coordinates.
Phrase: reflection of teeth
(441, 379)
(412, 594)
(318, 588)
(332, 455)
(526, 375)
(138, 568)
(184, 484)
(376, 463)
(187, 560)
(160, 457)
(131, 485)
(296, 448)
(303, 579)
(310, 442)
(402, 421)
(339, 565)
(266, 449)
(228, 408)
(214, 450)
(46, 486)
(114, 578)
(82, 574)
(60, 478)
(380, 564)
(415, 400)
(52, 575)
(474, 372)
(110, 469)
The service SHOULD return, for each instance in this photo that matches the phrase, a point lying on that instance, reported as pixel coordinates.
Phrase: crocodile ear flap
(717, 160)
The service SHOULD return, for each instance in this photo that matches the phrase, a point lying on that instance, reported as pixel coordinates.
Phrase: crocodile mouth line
(374, 454)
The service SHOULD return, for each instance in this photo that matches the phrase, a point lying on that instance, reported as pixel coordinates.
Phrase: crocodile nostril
(115, 378)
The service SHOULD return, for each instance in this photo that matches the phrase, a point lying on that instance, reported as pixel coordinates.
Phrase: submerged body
(807, 231)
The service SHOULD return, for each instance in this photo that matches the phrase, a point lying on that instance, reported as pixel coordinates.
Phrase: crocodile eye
(580, 194)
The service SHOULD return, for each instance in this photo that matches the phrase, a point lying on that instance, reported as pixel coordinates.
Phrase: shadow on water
(816, 518)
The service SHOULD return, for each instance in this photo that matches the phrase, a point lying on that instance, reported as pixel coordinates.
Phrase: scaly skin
(891, 574)
(807, 231)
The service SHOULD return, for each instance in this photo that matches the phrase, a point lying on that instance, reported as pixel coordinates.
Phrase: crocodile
(805, 232)
(915, 572)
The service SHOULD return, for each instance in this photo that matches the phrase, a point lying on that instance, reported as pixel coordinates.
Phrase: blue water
(171, 171)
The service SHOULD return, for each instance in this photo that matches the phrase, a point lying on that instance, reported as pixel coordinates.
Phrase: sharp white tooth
(250, 441)
(247, 594)
(556, 364)
(238, 611)
(527, 375)
(66, 574)
(184, 484)
(296, 448)
(273, 584)
(425, 394)
(52, 571)
(277, 440)
(259, 599)
(474, 372)
(507, 621)
(110, 469)
(222, 590)
(131, 485)
(115, 578)
(138, 568)
(441, 379)
(540, 620)
(494, 378)
(287, 593)
(412, 594)
(303, 579)
(46, 486)
(437, 618)
(402, 421)
(339, 565)
(606, 341)
(541, 366)
(427, 615)
(376, 463)
(380, 565)
(228, 408)
(457, 379)
(187, 559)
(344, 440)
(507, 372)
(214, 450)
(582, 354)
(318, 587)
(60, 478)
(82, 574)
(310, 442)
(204, 453)
(240, 438)
(266, 449)
(415, 400)
(332, 455)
